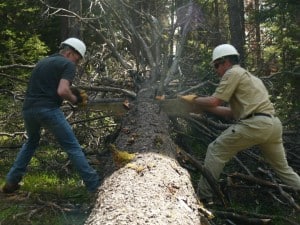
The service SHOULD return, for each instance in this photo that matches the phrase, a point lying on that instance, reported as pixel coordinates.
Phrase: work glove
(160, 97)
(188, 98)
(81, 95)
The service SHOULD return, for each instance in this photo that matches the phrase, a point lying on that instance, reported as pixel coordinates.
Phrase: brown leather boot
(10, 188)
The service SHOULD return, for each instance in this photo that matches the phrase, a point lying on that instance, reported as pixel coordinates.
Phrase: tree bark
(237, 26)
(75, 27)
(153, 188)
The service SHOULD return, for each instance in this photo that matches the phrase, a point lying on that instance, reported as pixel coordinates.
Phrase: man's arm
(213, 105)
(221, 111)
(65, 92)
(208, 101)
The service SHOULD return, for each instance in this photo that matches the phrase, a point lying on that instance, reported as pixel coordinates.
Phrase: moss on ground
(51, 191)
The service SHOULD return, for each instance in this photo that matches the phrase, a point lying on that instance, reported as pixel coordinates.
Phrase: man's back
(44, 80)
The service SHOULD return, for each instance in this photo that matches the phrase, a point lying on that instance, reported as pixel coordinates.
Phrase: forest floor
(53, 194)
(248, 200)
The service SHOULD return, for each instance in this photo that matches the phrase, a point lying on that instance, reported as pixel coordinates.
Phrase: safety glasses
(217, 64)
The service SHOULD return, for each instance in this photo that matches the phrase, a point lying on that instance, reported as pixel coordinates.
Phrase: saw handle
(188, 98)
(81, 95)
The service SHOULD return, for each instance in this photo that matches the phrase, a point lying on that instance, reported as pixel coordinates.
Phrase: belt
(256, 114)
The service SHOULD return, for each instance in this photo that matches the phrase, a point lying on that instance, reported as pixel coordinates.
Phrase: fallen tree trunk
(153, 188)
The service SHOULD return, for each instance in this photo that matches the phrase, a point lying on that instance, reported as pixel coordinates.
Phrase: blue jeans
(53, 120)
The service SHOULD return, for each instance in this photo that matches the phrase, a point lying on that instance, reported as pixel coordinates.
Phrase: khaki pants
(258, 130)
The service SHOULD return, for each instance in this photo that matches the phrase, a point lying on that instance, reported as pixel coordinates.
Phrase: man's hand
(81, 95)
(188, 98)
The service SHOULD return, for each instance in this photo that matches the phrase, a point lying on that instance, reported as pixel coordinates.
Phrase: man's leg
(24, 156)
(58, 125)
(220, 151)
(274, 154)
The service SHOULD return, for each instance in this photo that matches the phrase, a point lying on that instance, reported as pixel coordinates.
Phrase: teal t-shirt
(44, 80)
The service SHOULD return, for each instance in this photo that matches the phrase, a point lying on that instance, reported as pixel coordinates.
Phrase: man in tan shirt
(249, 104)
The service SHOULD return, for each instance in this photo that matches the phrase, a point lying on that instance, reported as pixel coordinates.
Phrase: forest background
(130, 43)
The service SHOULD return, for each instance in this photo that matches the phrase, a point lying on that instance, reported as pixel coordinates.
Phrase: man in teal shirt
(48, 86)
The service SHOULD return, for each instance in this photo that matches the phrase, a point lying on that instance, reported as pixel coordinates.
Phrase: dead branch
(284, 194)
(242, 165)
(259, 216)
(242, 219)
(13, 134)
(12, 78)
(106, 101)
(69, 13)
(276, 198)
(109, 89)
(88, 120)
(191, 89)
(210, 122)
(202, 127)
(257, 181)
(17, 66)
(215, 187)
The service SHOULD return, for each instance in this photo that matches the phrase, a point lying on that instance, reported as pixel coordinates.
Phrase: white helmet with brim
(224, 50)
(76, 44)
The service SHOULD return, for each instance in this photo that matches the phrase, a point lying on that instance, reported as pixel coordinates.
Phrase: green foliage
(285, 96)
(281, 32)
(26, 50)
(57, 195)
(34, 49)
(20, 40)
(10, 115)
(20, 36)
(50, 182)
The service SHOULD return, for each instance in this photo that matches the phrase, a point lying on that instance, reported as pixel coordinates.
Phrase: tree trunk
(75, 29)
(237, 25)
(153, 188)
(259, 59)
(71, 26)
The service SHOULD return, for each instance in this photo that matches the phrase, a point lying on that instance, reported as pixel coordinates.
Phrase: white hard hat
(77, 44)
(224, 50)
